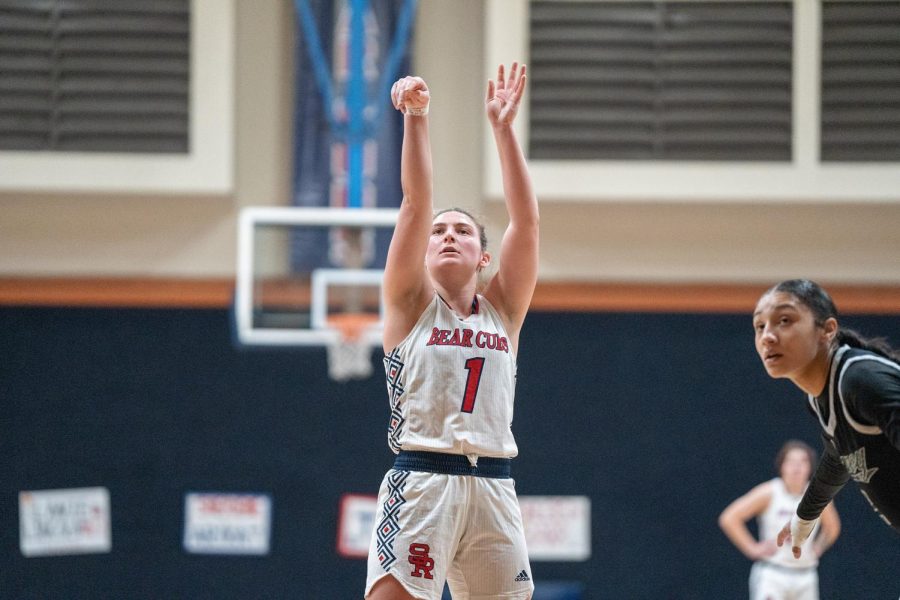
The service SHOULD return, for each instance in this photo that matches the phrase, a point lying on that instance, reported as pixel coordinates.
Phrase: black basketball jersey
(859, 411)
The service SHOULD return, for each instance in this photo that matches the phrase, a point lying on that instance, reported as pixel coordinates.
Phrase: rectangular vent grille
(660, 80)
(109, 76)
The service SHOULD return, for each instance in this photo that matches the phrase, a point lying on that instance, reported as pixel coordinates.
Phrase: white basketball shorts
(772, 581)
(467, 530)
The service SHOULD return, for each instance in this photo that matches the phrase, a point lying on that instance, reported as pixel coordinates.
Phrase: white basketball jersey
(781, 508)
(451, 384)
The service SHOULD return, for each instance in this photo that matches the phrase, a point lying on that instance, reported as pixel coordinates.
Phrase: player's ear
(830, 329)
(485, 261)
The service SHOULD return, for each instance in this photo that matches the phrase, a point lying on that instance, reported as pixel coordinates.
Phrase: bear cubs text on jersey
(467, 338)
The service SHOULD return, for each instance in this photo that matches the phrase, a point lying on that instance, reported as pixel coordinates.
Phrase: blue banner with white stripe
(347, 135)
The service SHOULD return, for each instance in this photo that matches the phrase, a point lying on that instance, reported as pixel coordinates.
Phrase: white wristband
(800, 529)
(417, 112)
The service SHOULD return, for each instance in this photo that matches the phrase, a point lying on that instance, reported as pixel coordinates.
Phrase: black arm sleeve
(830, 477)
(871, 390)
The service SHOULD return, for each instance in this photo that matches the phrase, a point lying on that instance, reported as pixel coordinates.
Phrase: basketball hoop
(350, 353)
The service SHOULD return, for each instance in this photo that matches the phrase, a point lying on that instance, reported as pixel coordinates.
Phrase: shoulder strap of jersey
(862, 428)
(830, 426)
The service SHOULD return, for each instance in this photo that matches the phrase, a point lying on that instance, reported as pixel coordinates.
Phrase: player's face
(788, 340)
(795, 469)
(454, 243)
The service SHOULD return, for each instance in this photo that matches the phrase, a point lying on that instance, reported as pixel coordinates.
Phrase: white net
(350, 354)
(349, 359)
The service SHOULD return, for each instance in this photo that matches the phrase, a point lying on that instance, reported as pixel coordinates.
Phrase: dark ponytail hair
(822, 307)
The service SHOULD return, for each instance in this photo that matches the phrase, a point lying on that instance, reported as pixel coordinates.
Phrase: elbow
(530, 223)
(724, 521)
(729, 520)
(525, 227)
(417, 198)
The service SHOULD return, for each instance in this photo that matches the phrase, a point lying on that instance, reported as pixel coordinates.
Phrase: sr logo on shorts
(421, 562)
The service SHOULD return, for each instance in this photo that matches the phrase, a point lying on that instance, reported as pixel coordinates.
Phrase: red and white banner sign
(227, 523)
(355, 525)
(557, 528)
(68, 521)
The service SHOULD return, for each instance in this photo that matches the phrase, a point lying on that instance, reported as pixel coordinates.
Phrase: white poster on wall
(355, 524)
(66, 521)
(216, 523)
(557, 528)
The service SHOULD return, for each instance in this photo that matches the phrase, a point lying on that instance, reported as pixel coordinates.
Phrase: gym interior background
(638, 384)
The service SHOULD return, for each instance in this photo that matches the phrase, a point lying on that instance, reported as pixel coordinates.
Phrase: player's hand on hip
(504, 94)
(764, 549)
(410, 95)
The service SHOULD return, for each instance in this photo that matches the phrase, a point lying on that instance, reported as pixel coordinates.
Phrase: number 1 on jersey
(474, 366)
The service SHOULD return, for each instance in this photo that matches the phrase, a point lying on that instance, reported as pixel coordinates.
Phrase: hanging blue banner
(347, 135)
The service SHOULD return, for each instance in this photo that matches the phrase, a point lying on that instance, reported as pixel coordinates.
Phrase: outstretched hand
(410, 95)
(503, 95)
(796, 531)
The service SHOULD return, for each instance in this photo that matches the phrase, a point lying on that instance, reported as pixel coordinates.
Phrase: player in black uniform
(853, 388)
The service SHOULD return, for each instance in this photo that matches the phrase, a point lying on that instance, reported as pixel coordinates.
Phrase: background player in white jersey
(448, 508)
(853, 389)
(775, 574)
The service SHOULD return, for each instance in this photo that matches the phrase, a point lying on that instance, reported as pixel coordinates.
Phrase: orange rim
(352, 325)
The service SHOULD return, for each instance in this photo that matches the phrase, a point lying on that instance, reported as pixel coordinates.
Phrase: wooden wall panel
(570, 297)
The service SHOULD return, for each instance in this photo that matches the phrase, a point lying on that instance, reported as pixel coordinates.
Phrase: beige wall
(86, 235)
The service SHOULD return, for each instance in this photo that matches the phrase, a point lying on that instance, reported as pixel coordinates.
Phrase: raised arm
(511, 288)
(406, 289)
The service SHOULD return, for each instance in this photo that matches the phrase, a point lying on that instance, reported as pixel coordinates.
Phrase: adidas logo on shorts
(523, 576)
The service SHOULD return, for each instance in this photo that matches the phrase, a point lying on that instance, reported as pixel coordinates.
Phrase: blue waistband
(453, 464)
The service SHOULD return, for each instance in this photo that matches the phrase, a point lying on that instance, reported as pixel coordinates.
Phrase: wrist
(799, 521)
(419, 111)
(801, 528)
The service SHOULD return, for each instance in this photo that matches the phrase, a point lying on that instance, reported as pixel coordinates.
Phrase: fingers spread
(520, 88)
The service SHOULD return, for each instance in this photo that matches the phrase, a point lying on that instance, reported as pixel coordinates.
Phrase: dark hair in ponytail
(822, 307)
(877, 345)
